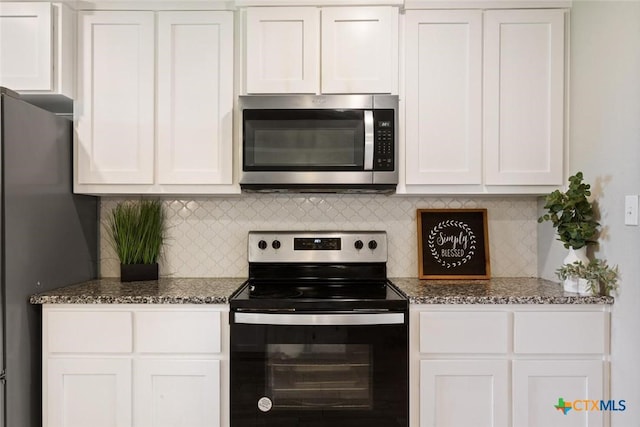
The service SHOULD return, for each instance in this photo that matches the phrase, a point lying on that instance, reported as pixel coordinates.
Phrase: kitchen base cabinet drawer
(560, 332)
(88, 331)
(464, 332)
(177, 331)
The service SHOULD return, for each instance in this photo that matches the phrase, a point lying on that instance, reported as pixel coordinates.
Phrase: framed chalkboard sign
(453, 244)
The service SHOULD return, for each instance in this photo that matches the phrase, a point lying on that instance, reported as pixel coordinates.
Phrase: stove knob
(358, 244)
(373, 244)
(262, 245)
(276, 244)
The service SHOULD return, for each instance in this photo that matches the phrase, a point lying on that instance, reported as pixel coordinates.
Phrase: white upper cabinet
(322, 50)
(484, 101)
(283, 50)
(115, 108)
(36, 47)
(444, 97)
(359, 49)
(524, 96)
(155, 105)
(195, 97)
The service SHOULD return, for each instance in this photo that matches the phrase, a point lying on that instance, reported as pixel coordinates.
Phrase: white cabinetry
(283, 50)
(524, 96)
(135, 365)
(489, 364)
(484, 100)
(537, 383)
(322, 50)
(177, 392)
(444, 97)
(115, 107)
(139, 130)
(88, 392)
(544, 371)
(37, 47)
(481, 384)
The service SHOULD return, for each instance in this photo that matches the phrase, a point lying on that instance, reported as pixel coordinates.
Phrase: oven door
(319, 370)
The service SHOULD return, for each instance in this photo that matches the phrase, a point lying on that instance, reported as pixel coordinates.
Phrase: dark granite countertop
(500, 290)
(503, 290)
(162, 291)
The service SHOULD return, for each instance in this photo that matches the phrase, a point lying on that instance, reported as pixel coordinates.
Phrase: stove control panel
(318, 246)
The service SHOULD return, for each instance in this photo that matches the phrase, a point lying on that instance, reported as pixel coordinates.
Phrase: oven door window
(303, 140)
(319, 376)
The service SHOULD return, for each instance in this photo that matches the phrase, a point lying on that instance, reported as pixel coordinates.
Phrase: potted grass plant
(137, 231)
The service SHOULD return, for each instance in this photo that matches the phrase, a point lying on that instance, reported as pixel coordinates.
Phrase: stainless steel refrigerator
(48, 239)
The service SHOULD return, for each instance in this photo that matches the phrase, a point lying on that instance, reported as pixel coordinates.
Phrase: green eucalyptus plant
(137, 231)
(602, 278)
(572, 214)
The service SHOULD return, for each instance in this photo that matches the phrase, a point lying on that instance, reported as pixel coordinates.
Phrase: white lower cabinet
(463, 393)
(508, 365)
(538, 385)
(92, 392)
(174, 392)
(164, 365)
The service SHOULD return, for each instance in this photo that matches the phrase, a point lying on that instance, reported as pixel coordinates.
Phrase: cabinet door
(177, 393)
(283, 50)
(444, 97)
(195, 97)
(88, 392)
(463, 393)
(359, 49)
(538, 387)
(524, 97)
(115, 108)
(26, 46)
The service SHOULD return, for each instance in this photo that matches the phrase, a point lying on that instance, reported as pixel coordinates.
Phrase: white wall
(605, 145)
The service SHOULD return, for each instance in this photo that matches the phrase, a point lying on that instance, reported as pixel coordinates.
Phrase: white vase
(574, 284)
(584, 288)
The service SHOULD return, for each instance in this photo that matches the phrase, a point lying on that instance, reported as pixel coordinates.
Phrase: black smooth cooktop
(318, 295)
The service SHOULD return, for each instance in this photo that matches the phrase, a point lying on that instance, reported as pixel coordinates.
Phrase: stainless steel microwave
(319, 143)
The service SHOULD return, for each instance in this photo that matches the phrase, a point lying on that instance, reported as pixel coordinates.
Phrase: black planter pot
(138, 272)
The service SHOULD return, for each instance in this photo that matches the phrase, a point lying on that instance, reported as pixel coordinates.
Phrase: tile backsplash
(208, 236)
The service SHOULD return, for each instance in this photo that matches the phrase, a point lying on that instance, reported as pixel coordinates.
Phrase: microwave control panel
(384, 140)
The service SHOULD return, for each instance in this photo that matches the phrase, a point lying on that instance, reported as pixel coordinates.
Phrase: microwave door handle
(368, 140)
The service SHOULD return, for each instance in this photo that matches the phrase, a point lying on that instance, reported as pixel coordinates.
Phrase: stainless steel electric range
(319, 335)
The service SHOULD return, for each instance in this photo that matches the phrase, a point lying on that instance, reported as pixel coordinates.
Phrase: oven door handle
(320, 319)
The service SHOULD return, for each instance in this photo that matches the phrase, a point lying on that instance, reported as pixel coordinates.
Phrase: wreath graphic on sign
(450, 223)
